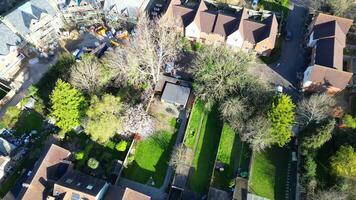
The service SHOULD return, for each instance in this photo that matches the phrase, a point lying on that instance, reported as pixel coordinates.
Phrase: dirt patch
(164, 114)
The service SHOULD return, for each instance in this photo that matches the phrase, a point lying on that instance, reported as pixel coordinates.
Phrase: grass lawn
(150, 159)
(269, 173)
(233, 154)
(193, 125)
(205, 152)
(28, 121)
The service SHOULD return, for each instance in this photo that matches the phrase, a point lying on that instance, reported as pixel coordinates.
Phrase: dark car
(289, 35)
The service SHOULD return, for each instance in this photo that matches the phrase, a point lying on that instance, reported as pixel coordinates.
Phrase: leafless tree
(137, 121)
(153, 43)
(88, 75)
(331, 194)
(256, 133)
(235, 111)
(181, 157)
(316, 108)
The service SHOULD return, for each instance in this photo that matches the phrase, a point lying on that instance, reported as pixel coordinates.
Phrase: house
(10, 56)
(47, 170)
(175, 94)
(237, 30)
(36, 21)
(123, 8)
(75, 185)
(116, 192)
(4, 162)
(326, 40)
(6, 147)
(80, 12)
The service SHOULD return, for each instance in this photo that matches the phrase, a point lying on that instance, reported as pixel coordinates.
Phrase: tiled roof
(7, 39)
(329, 53)
(329, 76)
(344, 23)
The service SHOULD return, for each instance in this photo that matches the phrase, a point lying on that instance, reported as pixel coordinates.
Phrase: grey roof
(7, 39)
(175, 94)
(22, 16)
(131, 7)
(78, 181)
(6, 147)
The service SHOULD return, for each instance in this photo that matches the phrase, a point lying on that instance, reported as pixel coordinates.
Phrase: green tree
(79, 155)
(104, 117)
(93, 163)
(343, 163)
(121, 146)
(68, 106)
(321, 135)
(349, 121)
(281, 115)
(11, 116)
(218, 72)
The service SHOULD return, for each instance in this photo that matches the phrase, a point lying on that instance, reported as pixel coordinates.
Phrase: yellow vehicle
(122, 35)
(114, 43)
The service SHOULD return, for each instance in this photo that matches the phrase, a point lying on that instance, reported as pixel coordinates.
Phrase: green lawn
(150, 159)
(203, 163)
(269, 172)
(193, 125)
(233, 154)
(28, 121)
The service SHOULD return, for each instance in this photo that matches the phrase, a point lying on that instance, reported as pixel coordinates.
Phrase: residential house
(114, 9)
(10, 56)
(36, 21)
(80, 12)
(236, 30)
(6, 147)
(327, 39)
(48, 169)
(116, 192)
(4, 162)
(75, 185)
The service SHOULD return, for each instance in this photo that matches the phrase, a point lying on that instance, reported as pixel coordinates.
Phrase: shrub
(93, 163)
(11, 116)
(349, 121)
(79, 155)
(121, 146)
(197, 46)
(110, 144)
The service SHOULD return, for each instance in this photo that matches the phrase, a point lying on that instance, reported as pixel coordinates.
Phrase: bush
(349, 121)
(197, 46)
(121, 146)
(11, 116)
(79, 155)
(93, 163)
(110, 144)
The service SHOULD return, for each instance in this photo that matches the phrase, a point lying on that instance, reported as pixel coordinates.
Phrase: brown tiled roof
(207, 22)
(329, 53)
(253, 31)
(201, 7)
(44, 172)
(183, 14)
(344, 23)
(225, 24)
(134, 195)
(329, 76)
(328, 30)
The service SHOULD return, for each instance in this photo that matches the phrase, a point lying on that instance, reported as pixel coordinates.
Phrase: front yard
(235, 157)
(269, 172)
(205, 152)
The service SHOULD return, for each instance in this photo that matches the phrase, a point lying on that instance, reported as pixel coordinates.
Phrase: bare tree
(181, 158)
(235, 111)
(137, 121)
(88, 75)
(256, 133)
(152, 45)
(331, 194)
(316, 108)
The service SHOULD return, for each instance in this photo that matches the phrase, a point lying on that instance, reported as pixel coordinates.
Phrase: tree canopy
(68, 105)
(319, 136)
(11, 116)
(343, 163)
(281, 116)
(104, 117)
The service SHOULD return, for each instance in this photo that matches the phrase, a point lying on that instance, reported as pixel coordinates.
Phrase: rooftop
(175, 94)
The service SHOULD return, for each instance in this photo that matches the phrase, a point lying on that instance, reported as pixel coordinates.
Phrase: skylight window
(89, 187)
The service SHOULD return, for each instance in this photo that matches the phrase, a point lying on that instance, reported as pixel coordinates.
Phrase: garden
(234, 156)
(269, 172)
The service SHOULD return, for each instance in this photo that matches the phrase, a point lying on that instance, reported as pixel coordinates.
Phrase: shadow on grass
(29, 120)
(205, 154)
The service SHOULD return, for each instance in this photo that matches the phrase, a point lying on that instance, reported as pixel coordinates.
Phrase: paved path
(32, 74)
(155, 193)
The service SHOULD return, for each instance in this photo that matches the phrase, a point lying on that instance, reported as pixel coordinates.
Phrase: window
(75, 196)
(89, 187)
(69, 181)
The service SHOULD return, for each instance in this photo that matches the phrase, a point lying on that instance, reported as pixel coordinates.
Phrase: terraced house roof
(7, 39)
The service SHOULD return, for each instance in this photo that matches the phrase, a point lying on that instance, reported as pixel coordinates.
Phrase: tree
(235, 111)
(153, 44)
(89, 75)
(319, 136)
(314, 109)
(104, 117)
(350, 122)
(219, 72)
(11, 116)
(256, 133)
(281, 116)
(343, 163)
(137, 121)
(93, 163)
(180, 158)
(79, 155)
(342, 8)
(68, 106)
(121, 146)
(330, 194)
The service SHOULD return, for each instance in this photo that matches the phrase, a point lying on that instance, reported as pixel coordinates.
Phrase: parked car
(289, 35)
